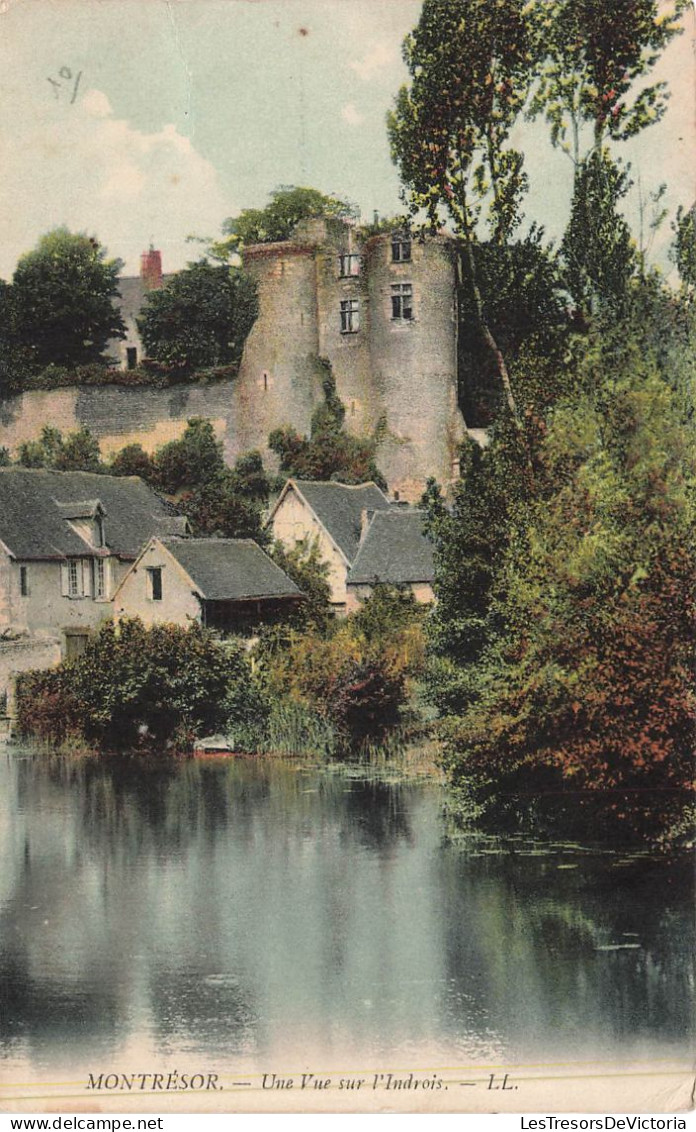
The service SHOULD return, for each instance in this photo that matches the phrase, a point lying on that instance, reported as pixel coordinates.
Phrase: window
(99, 531)
(402, 301)
(350, 316)
(73, 578)
(154, 574)
(401, 249)
(348, 264)
(98, 577)
(131, 356)
(23, 586)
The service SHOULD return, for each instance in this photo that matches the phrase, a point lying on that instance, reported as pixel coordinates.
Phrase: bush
(134, 686)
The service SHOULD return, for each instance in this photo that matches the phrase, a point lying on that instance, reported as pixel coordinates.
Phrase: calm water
(246, 909)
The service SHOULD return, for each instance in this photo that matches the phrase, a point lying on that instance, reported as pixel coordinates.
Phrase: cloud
(352, 115)
(377, 60)
(81, 166)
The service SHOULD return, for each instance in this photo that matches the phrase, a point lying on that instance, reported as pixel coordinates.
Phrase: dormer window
(401, 249)
(98, 530)
(348, 265)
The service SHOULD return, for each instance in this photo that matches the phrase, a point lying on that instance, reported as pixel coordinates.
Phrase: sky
(142, 121)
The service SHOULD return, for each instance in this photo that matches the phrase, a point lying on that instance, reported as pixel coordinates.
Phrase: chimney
(151, 269)
(366, 517)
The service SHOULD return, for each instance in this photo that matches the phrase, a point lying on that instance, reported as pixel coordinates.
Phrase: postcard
(346, 624)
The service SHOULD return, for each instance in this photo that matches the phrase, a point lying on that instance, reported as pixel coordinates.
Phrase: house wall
(293, 522)
(178, 605)
(45, 611)
(357, 594)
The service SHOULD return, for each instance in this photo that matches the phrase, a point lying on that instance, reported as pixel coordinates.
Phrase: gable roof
(339, 508)
(395, 549)
(36, 506)
(230, 569)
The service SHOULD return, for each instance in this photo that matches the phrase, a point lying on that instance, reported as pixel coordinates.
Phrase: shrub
(134, 686)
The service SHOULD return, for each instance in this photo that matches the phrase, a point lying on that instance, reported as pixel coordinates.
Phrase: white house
(226, 584)
(67, 540)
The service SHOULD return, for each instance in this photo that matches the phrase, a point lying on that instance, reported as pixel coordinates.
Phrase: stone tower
(382, 311)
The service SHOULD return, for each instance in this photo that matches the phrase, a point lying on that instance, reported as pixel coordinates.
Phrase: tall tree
(63, 299)
(201, 318)
(598, 250)
(471, 67)
(595, 56)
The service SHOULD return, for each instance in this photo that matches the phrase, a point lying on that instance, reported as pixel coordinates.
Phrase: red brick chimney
(151, 269)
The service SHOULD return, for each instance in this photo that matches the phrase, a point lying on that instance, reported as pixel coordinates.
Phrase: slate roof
(35, 506)
(230, 569)
(339, 508)
(394, 550)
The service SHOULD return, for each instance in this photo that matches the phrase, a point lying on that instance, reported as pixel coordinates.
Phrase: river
(246, 909)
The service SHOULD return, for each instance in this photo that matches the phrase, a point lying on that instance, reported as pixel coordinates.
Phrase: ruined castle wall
(279, 381)
(414, 363)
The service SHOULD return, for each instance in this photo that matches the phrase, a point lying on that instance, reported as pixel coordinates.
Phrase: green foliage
(287, 206)
(200, 318)
(526, 311)
(470, 63)
(190, 461)
(684, 247)
(77, 452)
(134, 686)
(329, 453)
(310, 573)
(133, 461)
(355, 677)
(63, 300)
(593, 55)
(598, 252)
(562, 648)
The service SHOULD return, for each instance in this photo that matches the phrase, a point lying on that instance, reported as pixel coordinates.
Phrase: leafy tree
(133, 460)
(200, 318)
(63, 296)
(192, 460)
(526, 304)
(79, 453)
(594, 56)
(585, 681)
(598, 251)
(288, 205)
(219, 506)
(329, 453)
(471, 66)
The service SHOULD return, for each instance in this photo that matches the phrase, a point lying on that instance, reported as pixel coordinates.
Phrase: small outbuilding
(226, 584)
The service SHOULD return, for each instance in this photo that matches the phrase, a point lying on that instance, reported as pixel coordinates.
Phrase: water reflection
(252, 908)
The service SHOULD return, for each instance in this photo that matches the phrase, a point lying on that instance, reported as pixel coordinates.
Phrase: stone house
(67, 540)
(394, 549)
(330, 515)
(226, 584)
